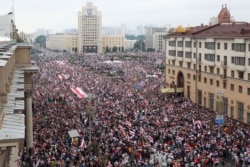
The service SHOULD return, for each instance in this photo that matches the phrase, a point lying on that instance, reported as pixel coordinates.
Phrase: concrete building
(211, 64)
(89, 29)
(129, 44)
(16, 70)
(154, 38)
(113, 43)
(62, 42)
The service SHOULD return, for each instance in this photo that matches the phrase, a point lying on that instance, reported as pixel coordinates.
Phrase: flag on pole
(80, 93)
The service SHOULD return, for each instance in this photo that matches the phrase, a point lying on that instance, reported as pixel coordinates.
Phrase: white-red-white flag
(151, 140)
(83, 144)
(63, 77)
(80, 93)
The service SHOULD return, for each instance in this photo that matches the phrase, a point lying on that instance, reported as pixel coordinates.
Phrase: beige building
(212, 65)
(62, 42)
(89, 29)
(16, 129)
(113, 43)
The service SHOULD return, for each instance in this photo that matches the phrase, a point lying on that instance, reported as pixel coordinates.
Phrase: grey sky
(62, 14)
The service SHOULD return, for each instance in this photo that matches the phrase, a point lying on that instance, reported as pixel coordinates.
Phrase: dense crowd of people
(123, 121)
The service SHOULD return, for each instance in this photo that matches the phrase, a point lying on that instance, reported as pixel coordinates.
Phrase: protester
(122, 119)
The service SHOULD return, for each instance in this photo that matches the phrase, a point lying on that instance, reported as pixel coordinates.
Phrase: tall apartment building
(16, 70)
(212, 65)
(89, 29)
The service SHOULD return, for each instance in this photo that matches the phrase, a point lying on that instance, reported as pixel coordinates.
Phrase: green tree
(140, 37)
(114, 49)
(41, 39)
(139, 45)
(107, 49)
(130, 37)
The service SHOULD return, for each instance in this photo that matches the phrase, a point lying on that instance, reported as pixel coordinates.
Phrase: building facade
(212, 64)
(16, 129)
(62, 42)
(154, 38)
(113, 43)
(89, 29)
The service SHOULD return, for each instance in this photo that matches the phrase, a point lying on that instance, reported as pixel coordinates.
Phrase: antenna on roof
(229, 5)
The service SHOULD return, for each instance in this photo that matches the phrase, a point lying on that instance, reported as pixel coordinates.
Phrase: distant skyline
(58, 15)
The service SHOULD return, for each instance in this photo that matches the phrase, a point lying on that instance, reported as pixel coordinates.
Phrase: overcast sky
(62, 14)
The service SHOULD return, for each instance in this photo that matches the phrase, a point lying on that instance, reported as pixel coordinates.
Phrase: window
(232, 60)
(232, 112)
(240, 47)
(210, 45)
(210, 57)
(211, 69)
(218, 45)
(194, 77)
(173, 62)
(211, 101)
(180, 53)
(248, 91)
(218, 57)
(199, 78)
(172, 53)
(249, 47)
(188, 55)
(249, 61)
(172, 43)
(225, 106)
(232, 46)
(211, 81)
(169, 71)
(239, 60)
(205, 80)
(194, 44)
(218, 71)
(232, 87)
(189, 65)
(248, 76)
(224, 85)
(188, 76)
(173, 72)
(248, 118)
(241, 75)
(200, 44)
(240, 111)
(194, 66)
(188, 44)
(180, 43)
(240, 89)
(205, 68)
(218, 83)
(232, 74)
(225, 46)
(180, 62)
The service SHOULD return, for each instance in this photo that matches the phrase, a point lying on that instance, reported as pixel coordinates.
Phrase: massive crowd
(124, 121)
